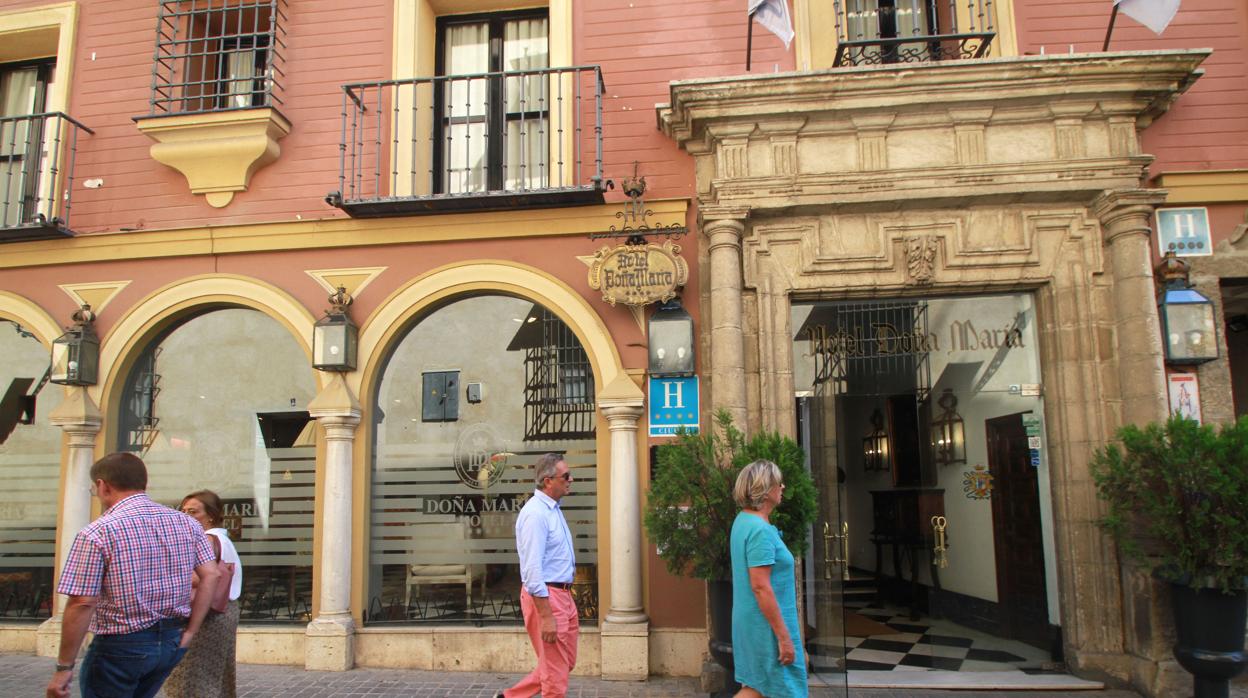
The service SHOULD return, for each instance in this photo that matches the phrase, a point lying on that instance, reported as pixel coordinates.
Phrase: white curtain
(526, 163)
(18, 89)
(464, 138)
(240, 76)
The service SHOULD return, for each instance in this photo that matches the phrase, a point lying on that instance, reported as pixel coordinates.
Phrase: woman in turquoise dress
(766, 644)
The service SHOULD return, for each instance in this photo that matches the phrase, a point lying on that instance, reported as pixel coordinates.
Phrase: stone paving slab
(27, 675)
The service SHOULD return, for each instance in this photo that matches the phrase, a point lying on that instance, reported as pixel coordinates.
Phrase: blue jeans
(132, 665)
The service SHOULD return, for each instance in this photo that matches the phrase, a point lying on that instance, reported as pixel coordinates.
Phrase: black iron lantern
(1187, 317)
(76, 353)
(671, 340)
(334, 337)
(948, 431)
(875, 445)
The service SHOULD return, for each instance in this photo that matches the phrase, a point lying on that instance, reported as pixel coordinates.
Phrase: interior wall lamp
(334, 337)
(948, 431)
(76, 353)
(1188, 322)
(875, 445)
(671, 340)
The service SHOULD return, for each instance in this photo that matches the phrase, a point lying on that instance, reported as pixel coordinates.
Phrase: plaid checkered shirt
(137, 558)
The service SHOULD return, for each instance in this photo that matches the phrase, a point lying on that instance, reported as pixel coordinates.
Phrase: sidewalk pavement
(27, 675)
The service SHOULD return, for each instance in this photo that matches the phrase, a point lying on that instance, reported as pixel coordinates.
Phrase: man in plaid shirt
(128, 577)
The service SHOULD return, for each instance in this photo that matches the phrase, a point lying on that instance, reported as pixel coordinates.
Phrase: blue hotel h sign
(673, 404)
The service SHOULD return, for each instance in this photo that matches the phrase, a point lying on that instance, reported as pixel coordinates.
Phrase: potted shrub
(1178, 502)
(690, 510)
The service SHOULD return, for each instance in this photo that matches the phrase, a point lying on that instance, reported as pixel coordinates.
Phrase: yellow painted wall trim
(126, 338)
(1209, 186)
(327, 233)
(33, 23)
(217, 152)
(30, 316)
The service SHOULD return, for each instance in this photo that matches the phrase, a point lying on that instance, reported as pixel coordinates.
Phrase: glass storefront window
(507, 382)
(219, 402)
(30, 474)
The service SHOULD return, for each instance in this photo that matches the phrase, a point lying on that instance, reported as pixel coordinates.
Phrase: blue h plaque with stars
(673, 404)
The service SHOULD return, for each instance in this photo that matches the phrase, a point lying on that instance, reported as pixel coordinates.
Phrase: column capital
(622, 412)
(1127, 212)
(77, 412)
(335, 400)
(715, 216)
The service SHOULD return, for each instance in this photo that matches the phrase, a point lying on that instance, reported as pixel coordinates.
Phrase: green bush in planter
(690, 509)
(1178, 499)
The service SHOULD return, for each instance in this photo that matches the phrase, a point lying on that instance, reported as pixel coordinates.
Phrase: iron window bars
(398, 157)
(217, 55)
(875, 32)
(558, 383)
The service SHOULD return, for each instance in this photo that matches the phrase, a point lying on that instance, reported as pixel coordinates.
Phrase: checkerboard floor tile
(925, 645)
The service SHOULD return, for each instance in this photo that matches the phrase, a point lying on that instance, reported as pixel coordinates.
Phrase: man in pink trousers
(547, 566)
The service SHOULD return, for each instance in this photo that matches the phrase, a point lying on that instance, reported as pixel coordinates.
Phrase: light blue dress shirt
(545, 545)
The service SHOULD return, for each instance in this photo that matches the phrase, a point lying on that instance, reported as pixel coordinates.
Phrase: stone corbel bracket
(217, 152)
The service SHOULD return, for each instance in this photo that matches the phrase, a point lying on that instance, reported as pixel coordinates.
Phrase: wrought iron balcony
(489, 141)
(37, 153)
(876, 32)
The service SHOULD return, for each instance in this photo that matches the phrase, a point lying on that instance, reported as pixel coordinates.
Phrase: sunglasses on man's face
(567, 477)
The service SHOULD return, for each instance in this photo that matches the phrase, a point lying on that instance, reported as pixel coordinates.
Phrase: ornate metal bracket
(634, 225)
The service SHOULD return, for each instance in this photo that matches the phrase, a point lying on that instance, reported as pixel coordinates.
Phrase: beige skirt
(207, 670)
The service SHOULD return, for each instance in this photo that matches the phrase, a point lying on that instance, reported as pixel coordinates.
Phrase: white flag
(774, 15)
(1154, 14)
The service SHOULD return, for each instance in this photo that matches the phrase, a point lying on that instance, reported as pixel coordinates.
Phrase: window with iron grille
(558, 380)
(494, 123)
(214, 55)
(23, 94)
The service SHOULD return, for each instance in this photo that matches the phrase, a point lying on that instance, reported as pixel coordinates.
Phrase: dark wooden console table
(903, 521)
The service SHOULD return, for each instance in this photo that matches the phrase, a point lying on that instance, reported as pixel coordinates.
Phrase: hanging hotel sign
(638, 274)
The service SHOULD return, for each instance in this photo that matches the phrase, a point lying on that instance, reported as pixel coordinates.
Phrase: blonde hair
(754, 482)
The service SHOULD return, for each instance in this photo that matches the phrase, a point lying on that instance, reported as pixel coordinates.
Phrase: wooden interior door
(1016, 527)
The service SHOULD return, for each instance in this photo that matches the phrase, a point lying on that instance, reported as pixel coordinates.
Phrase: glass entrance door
(827, 568)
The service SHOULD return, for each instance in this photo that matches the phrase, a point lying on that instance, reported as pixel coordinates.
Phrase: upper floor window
(23, 93)
(217, 56)
(494, 111)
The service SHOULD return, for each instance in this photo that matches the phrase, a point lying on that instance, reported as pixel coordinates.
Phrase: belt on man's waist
(560, 585)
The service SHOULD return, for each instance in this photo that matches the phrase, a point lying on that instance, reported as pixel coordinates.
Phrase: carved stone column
(1125, 220)
(330, 644)
(625, 630)
(724, 230)
(79, 417)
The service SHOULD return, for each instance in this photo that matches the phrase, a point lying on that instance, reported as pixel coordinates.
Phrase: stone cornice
(1146, 80)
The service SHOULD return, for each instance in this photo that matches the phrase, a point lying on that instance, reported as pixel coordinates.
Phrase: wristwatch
(65, 667)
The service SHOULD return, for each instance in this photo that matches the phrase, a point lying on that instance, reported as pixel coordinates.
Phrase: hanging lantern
(875, 445)
(76, 354)
(1187, 316)
(948, 432)
(334, 336)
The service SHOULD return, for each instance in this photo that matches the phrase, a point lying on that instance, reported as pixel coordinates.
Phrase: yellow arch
(29, 315)
(483, 276)
(165, 305)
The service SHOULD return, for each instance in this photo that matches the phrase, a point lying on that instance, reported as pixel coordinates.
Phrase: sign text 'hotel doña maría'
(638, 274)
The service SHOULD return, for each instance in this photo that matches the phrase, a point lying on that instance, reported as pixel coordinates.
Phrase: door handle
(835, 550)
(940, 544)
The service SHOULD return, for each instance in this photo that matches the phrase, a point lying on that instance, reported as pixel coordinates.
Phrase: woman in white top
(207, 670)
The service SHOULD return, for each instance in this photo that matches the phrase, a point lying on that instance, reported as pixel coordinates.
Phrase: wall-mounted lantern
(1188, 322)
(334, 337)
(875, 445)
(76, 353)
(948, 431)
(671, 340)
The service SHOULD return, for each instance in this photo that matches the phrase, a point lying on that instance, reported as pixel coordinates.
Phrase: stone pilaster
(724, 230)
(80, 419)
(1126, 218)
(330, 644)
(625, 630)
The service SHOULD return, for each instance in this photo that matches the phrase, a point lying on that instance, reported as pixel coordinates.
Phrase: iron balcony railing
(471, 142)
(37, 154)
(874, 32)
